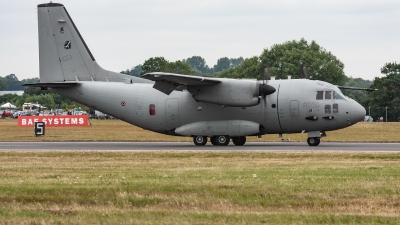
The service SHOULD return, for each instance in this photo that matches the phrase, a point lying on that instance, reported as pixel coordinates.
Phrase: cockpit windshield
(337, 95)
(327, 95)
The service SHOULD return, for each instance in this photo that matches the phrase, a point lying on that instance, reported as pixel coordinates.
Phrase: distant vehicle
(16, 114)
(5, 113)
(57, 111)
(99, 115)
(45, 113)
(24, 113)
(109, 117)
(368, 119)
(81, 113)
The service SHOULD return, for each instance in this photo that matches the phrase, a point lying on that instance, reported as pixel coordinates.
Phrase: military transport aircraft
(199, 107)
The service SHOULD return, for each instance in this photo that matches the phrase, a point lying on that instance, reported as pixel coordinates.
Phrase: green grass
(116, 130)
(179, 187)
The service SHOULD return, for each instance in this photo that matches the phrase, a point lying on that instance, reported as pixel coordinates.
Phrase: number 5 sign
(39, 128)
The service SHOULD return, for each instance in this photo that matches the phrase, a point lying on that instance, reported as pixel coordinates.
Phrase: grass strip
(182, 187)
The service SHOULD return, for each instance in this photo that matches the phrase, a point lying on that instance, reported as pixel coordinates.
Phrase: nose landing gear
(314, 137)
(314, 141)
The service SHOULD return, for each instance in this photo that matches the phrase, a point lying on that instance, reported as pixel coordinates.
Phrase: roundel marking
(123, 103)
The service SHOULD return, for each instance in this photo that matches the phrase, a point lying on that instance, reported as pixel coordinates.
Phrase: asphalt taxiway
(189, 146)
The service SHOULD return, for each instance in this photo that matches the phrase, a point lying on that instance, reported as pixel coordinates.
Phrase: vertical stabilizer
(63, 54)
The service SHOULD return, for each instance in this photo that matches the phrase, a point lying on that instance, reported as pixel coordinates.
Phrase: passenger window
(336, 95)
(327, 109)
(335, 108)
(328, 94)
(320, 95)
(152, 110)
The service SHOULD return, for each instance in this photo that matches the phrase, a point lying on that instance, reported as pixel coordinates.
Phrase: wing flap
(167, 82)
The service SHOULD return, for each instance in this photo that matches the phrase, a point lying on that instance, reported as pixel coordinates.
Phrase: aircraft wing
(167, 82)
(357, 88)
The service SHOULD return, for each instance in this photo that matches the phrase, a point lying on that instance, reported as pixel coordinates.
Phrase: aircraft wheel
(222, 140)
(200, 140)
(313, 141)
(239, 141)
(213, 140)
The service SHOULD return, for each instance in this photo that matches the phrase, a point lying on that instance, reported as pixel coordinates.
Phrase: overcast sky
(363, 34)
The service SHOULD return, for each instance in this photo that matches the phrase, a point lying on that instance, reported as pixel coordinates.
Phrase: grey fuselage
(284, 111)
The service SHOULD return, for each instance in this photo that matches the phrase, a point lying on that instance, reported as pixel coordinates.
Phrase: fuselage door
(139, 102)
(172, 113)
(294, 108)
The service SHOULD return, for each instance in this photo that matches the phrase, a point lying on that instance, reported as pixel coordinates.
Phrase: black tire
(239, 141)
(213, 140)
(200, 140)
(313, 141)
(222, 140)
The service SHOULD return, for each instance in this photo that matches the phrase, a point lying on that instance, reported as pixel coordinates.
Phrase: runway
(189, 146)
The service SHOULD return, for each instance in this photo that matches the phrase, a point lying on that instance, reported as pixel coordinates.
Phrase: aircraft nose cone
(357, 112)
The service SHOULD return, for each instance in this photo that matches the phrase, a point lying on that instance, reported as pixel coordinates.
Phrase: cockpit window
(328, 94)
(336, 95)
(320, 95)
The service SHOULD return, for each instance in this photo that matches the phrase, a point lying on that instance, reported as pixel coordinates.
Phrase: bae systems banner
(54, 121)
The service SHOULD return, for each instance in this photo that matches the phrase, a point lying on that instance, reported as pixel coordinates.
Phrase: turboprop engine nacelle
(237, 93)
(233, 128)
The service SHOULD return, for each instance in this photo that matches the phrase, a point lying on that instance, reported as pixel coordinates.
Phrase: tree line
(12, 83)
(195, 65)
(300, 59)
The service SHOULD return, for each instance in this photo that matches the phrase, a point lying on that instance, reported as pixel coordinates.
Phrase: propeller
(264, 89)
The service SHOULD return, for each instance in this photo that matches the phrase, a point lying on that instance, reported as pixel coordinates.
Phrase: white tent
(8, 106)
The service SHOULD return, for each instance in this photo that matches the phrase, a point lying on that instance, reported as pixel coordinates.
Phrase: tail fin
(63, 54)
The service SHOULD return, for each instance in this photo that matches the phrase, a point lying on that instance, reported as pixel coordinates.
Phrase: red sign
(54, 121)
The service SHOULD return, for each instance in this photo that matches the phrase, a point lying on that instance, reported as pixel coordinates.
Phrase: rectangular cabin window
(320, 95)
(152, 110)
(327, 109)
(335, 108)
(328, 94)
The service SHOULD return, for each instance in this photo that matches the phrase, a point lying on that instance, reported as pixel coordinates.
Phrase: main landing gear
(200, 140)
(220, 140)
